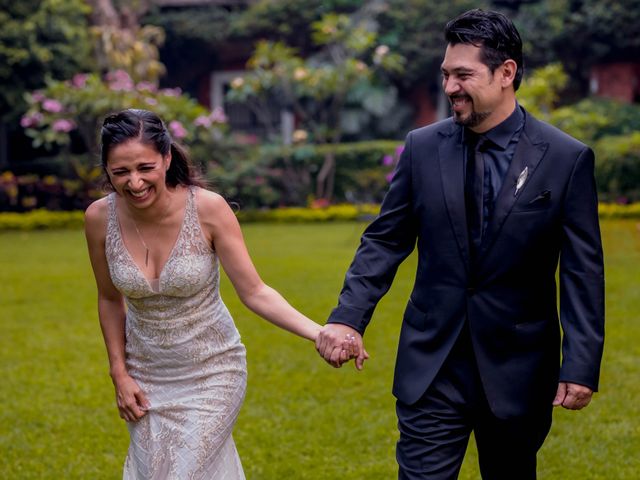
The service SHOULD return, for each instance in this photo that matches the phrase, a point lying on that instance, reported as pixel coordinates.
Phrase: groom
(495, 200)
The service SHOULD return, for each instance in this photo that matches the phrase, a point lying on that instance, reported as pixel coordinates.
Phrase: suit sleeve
(581, 278)
(386, 242)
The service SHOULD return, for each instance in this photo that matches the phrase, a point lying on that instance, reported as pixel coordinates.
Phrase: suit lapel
(528, 154)
(450, 154)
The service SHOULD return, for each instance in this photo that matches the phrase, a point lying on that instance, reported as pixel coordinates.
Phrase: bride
(175, 355)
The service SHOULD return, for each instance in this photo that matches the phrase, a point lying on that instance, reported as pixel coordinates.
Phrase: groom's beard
(473, 119)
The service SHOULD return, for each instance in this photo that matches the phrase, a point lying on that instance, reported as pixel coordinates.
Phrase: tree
(579, 34)
(122, 43)
(318, 89)
(39, 39)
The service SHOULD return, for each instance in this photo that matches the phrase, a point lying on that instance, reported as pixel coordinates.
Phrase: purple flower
(387, 160)
(399, 150)
(63, 125)
(37, 96)
(389, 176)
(218, 115)
(177, 130)
(51, 105)
(202, 121)
(151, 101)
(79, 80)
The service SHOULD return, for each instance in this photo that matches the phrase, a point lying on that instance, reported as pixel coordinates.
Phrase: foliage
(414, 29)
(79, 105)
(593, 118)
(54, 368)
(133, 51)
(618, 167)
(539, 92)
(38, 40)
(27, 192)
(41, 219)
(272, 176)
(579, 34)
(287, 20)
(332, 213)
(318, 89)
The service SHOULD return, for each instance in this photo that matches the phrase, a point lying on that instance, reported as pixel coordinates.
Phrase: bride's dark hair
(149, 129)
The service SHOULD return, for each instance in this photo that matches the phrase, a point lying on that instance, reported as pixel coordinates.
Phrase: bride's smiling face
(138, 172)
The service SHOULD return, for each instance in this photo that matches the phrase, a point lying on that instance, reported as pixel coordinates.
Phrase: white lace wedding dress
(184, 351)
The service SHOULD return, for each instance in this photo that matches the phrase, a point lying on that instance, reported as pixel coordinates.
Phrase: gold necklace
(144, 244)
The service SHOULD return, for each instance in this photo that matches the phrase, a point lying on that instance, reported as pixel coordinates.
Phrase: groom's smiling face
(477, 95)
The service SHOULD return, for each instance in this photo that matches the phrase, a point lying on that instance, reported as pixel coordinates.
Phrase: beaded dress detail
(185, 353)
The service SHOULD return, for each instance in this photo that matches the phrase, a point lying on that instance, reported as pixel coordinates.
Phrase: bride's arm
(111, 312)
(222, 226)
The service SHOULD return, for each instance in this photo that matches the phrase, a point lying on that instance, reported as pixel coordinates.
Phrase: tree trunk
(326, 176)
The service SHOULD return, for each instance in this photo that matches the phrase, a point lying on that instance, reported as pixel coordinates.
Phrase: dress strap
(112, 219)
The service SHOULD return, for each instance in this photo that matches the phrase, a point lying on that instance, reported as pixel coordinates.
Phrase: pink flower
(202, 121)
(389, 176)
(171, 92)
(151, 101)
(399, 150)
(146, 86)
(387, 160)
(119, 80)
(218, 115)
(51, 105)
(32, 120)
(79, 80)
(177, 130)
(63, 125)
(37, 96)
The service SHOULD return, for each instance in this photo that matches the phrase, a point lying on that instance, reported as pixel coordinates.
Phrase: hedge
(45, 219)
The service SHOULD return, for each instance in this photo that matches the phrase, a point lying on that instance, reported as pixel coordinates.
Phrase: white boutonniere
(521, 179)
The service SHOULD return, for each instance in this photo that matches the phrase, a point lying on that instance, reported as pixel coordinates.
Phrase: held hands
(131, 400)
(338, 344)
(572, 396)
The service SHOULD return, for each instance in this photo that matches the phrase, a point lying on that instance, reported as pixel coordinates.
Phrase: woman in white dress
(175, 355)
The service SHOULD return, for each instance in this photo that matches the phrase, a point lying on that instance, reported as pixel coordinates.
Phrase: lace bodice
(190, 265)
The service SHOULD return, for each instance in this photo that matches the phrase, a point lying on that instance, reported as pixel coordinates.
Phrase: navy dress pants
(435, 431)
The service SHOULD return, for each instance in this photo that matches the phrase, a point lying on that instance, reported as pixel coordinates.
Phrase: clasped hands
(338, 344)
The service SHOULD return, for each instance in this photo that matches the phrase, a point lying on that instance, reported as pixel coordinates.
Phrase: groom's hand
(572, 396)
(330, 345)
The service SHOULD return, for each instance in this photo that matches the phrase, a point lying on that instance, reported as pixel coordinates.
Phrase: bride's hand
(131, 400)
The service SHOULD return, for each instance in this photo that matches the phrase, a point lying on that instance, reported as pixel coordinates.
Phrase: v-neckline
(171, 253)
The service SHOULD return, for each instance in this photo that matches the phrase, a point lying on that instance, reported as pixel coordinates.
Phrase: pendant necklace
(144, 244)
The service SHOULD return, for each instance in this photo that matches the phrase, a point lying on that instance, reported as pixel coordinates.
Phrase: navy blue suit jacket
(508, 296)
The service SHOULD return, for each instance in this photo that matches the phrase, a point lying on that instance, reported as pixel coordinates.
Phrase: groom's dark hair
(494, 33)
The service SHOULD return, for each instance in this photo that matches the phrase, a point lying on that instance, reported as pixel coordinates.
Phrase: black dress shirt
(499, 147)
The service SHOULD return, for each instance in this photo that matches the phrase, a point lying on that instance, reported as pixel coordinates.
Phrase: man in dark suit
(495, 200)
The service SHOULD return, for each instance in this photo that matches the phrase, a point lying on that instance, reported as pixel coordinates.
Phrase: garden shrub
(274, 176)
(618, 168)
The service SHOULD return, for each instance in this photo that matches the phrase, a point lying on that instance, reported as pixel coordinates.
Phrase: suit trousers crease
(435, 431)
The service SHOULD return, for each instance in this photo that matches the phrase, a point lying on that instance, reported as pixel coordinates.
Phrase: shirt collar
(501, 134)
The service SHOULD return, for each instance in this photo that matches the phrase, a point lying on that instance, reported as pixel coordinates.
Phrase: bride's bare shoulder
(95, 216)
(213, 209)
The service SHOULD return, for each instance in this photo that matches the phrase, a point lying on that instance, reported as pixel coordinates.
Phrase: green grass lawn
(302, 419)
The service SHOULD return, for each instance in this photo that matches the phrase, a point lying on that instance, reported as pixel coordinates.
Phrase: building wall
(620, 81)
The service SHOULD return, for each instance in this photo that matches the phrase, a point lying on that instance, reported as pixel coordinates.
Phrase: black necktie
(474, 192)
